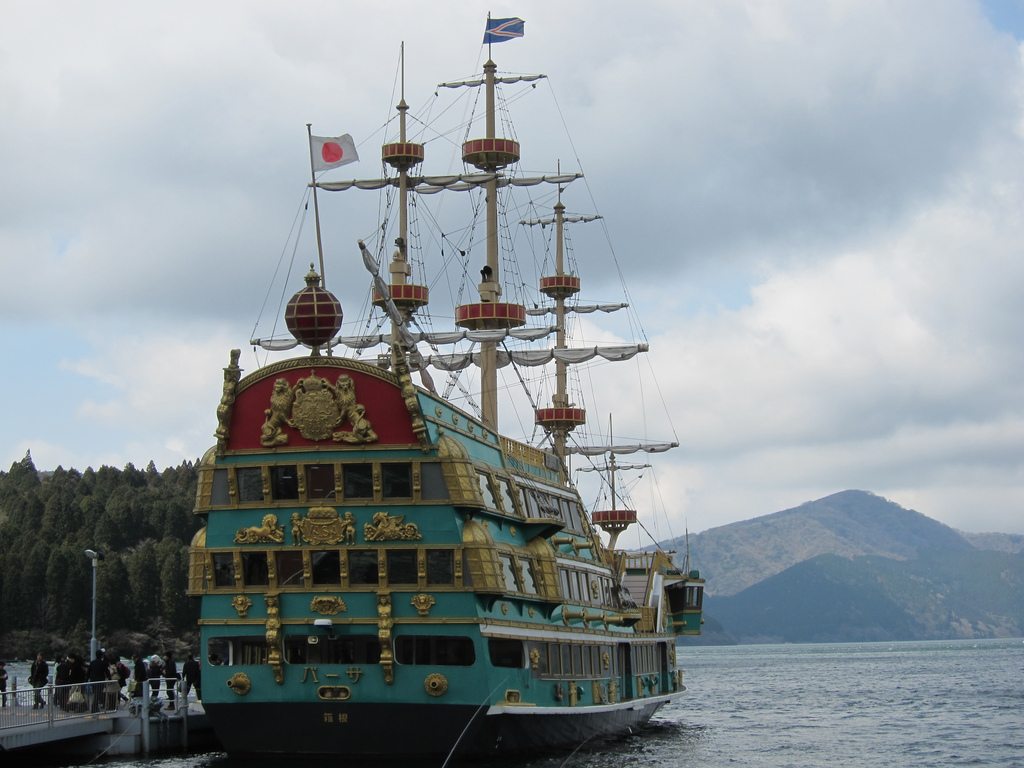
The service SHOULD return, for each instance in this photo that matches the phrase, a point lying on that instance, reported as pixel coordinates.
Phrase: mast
(562, 417)
(490, 154)
(402, 155)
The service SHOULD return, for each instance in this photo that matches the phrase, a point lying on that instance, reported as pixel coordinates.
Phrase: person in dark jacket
(191, 672)
(99, 674)
(62, 679)
(38, 677)
(171, 677)
(141, 673)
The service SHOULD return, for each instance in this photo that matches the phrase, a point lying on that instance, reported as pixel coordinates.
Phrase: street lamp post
(95, 557)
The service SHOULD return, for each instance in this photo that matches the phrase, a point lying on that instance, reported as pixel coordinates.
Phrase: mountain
(940, 595)
(848, 524)
(856, 567)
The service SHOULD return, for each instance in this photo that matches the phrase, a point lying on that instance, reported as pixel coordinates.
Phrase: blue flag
(500, 30)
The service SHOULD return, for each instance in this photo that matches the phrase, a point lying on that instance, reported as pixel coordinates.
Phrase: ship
(382, 573)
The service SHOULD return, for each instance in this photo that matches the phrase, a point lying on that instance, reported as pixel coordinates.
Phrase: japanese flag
(331, 152)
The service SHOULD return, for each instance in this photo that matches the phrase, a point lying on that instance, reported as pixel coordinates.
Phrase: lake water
(858, 705)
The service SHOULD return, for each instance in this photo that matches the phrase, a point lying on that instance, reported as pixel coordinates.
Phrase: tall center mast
(490, 154)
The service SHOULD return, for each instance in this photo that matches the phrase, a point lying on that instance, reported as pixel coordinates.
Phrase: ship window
(217, 651)
(506, 653)
(219, 493)
(486, 490)
(440, 566)
(694, 597)
(543, 665)
(526, 575)
(434, 650)
(542, 505)
(402, 566)
(250, 484)
(353, 649)
(508, 497)
(284, 482)
(320, 481)
(508, 568)
(236, 650)
(326, 567)
(432, 482)
(289, 569)
(223, 569)
(566, 659)
(359, 481)
(396, 480)
(571, 514)
(577, 660)
(254, 569)
(362, 566)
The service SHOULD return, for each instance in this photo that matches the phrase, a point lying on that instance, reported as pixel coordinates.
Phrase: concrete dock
(141, 726)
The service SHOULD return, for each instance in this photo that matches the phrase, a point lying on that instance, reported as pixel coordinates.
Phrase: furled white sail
(600, 450)
(534, 357)
(580, 309)
(505, 79)
(426, 185)
(431, 337)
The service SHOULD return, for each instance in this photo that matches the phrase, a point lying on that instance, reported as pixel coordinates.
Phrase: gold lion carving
(267, 533)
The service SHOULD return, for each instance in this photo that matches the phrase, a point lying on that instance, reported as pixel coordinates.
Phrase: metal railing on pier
(54, 704)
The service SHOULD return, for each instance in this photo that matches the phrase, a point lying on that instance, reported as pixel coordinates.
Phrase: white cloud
(816, 205)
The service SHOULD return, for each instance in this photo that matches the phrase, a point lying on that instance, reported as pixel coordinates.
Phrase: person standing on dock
(191, 672)
(38, 677)
(98, 676)
(140, 674)
(171, 676)
(61, 681)
(3, 684)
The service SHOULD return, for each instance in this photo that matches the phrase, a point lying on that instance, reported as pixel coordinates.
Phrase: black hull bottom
(396, 731)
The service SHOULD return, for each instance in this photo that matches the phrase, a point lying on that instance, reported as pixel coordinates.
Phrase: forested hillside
(141, 520)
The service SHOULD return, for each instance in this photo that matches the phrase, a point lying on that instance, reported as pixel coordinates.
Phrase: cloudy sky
(817, 205)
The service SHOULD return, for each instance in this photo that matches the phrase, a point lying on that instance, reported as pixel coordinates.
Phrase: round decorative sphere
(313, 315)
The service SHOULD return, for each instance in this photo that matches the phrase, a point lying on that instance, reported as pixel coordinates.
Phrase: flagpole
(316, 209)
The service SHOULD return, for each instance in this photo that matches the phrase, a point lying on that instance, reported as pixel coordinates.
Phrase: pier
(141, 726)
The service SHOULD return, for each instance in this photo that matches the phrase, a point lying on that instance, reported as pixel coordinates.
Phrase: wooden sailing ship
(382, 573)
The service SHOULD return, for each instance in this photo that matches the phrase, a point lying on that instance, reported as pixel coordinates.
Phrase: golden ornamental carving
(436, 684)
(274, 656)
(384, 626)
(232, 374)
(315, 407)
(242, 604)
(268, 533)
(606, 660)
(388, 528)
(504, 609)
(534, 658)
(410, 397)
(240, 683)
(322, 525)
(422, 603)
(327, 605)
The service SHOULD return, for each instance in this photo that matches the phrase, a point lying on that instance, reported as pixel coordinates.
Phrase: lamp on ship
(325, 624)
(95, 557)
